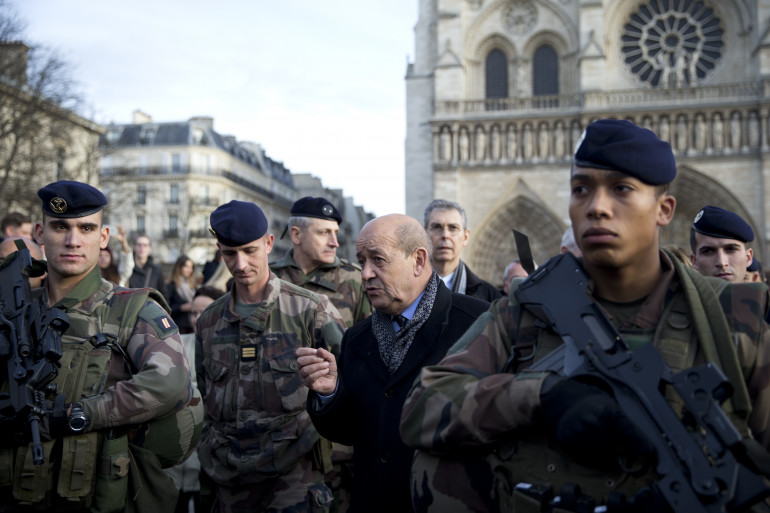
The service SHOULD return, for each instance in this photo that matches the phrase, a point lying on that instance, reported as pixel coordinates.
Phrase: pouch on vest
(112, 476)
(149, 487)
(32, 480)
(174, 437)
(78, 454)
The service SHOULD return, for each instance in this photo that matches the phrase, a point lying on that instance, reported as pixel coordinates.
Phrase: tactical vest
(530, 458)
(90, 470)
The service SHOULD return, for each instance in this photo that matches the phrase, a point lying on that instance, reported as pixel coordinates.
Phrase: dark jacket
(476, 287)
(149, 275)
(175, 302)
(366, 411)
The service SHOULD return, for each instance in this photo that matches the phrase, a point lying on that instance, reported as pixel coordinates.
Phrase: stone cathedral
(499, 91)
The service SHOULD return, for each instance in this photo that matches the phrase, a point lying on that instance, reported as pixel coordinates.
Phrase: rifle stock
(696, 461)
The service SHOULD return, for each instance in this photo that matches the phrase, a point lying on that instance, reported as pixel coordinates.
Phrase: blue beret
(237, 223)
(316, 207)
(66, 199)
(722, 224)
(620, 145)
(754, 266)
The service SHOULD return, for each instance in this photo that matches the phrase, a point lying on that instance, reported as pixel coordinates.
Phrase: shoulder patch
(152, 313)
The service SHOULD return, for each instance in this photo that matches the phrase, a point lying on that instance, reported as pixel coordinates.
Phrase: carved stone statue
(701, 135)
(464, 145)
(544, 141)
(753, 129)
(559, 148)
(681, 133)
(480, 148)
(718, 132)
(735, 130)
(445, 145)
(512, 140)
(528, 142)
(495, 143)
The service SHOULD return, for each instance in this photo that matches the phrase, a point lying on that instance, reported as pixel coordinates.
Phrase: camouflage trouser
(302, 490)
(340, 478)
(451, 485)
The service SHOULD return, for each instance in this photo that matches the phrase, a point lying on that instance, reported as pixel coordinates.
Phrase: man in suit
(448, 230)
(357, 401)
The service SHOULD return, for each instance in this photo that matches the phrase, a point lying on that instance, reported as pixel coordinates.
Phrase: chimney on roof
(206, 121)
(13, 61)
(141, 117)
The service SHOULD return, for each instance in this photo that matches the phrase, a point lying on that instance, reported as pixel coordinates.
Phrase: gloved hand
(587, 422)
(54, 423)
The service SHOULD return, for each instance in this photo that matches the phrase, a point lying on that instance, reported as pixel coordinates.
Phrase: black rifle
(30, 346)
(696, 465)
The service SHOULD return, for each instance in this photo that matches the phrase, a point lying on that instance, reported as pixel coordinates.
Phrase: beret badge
(58, 205)
(697, 218)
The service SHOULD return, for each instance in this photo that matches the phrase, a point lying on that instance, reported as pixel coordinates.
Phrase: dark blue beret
(316, 207)
(66, 199)
(754, 266)
(620, 145)
(722, 224)
(237, 223)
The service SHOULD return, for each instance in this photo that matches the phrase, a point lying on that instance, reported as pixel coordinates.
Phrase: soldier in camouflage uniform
(548, 431)
(126, 405)
(258, 446)
(313, 264)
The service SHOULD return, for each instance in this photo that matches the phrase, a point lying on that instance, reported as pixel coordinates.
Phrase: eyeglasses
(438, 229)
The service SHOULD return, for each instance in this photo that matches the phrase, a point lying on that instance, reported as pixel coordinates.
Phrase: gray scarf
(394, 346)
(460, 279)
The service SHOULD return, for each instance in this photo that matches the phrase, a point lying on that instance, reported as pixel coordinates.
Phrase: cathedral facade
(499, 92)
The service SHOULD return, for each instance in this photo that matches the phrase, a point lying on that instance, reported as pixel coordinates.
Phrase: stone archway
(693, 190)
(494, 247)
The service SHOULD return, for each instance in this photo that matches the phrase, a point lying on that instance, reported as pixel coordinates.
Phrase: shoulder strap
(121, 321)
(714, 334)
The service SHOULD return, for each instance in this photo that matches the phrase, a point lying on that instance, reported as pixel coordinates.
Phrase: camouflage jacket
(161, 384)
(153, 405)
(340, 281)
(467, 401)
(255, 424)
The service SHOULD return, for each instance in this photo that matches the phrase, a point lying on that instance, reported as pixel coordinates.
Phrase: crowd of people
(404, 382)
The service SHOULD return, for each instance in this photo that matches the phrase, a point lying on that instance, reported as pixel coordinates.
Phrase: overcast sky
(320, 84)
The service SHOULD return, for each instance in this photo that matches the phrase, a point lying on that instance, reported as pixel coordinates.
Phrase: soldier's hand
(587, 422)
(317, 369)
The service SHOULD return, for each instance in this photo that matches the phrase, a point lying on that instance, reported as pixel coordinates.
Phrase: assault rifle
(30, 347)
(696, 465)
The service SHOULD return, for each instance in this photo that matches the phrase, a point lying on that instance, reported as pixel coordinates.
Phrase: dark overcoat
(366, 410)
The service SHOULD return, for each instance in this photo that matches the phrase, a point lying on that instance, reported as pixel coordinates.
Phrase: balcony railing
(677, 97)
(195, 170)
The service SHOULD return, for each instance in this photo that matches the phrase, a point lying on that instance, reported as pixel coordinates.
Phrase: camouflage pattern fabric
(340, 281)
(256, 429)
(292, 495)
(466, 401)
(115, 402)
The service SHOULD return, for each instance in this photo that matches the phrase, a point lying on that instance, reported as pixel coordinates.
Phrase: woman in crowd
(117, 273)
(180, 293)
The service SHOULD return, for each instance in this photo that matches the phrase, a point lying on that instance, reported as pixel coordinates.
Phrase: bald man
(357, 401)
(8, 246)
